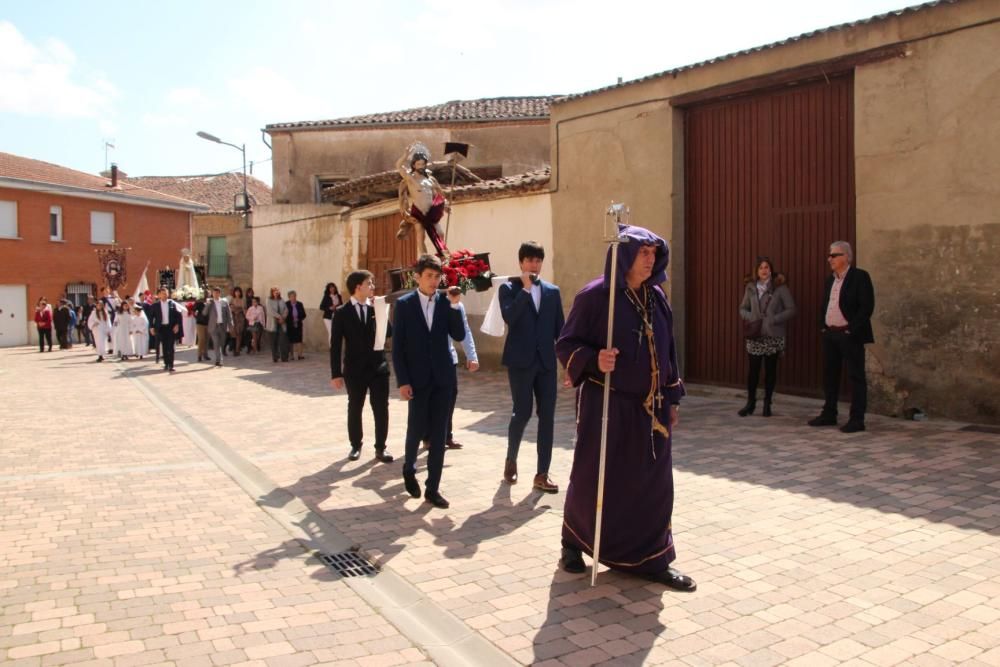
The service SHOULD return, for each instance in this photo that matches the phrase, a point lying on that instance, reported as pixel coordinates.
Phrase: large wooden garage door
(386, 252)
(772, 174)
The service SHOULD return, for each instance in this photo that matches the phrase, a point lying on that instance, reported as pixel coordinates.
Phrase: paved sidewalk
(810, 547)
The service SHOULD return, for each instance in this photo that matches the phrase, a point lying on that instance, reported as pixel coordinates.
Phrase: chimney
(114, 175)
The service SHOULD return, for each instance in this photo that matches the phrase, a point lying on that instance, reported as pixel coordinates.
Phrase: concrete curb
(438, 633)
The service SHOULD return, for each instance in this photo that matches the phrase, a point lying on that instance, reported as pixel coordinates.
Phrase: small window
(8, 219)
(102, 227)
(324, 181)
(218, 261)
(77, 293)
(55, 223)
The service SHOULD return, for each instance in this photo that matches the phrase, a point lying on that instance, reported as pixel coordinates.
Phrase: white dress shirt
(536, 296)
(165, 312)
(834, 316)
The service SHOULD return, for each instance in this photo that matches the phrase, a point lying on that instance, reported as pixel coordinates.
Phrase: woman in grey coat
(767, 298)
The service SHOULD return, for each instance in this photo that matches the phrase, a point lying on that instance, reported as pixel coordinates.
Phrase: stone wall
(927, 143)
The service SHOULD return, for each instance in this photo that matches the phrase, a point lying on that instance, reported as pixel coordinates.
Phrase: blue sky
(149, 75)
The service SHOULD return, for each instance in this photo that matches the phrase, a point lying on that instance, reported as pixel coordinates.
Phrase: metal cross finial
(616, 214)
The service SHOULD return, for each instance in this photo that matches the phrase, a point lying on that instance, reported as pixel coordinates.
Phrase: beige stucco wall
(927, 145)
(294, 251)
(239, 247)
(499, 226)
(302, 247)
(927, 191)
(300, 156)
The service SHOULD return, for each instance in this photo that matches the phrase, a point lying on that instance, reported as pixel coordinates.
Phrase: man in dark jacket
(848, 304)
(356, 364)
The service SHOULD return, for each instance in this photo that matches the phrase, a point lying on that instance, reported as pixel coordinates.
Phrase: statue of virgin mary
(186, 276)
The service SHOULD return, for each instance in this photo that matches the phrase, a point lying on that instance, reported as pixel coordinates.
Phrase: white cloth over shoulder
(493, 324)
(381, 322)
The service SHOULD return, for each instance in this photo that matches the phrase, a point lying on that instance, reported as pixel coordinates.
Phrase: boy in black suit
(365, 370)
(421, 357)
(165, 324)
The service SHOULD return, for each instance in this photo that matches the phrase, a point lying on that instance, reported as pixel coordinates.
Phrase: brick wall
(47, 266)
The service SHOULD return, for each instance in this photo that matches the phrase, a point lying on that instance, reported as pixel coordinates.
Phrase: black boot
(767, 407)
(749, 407)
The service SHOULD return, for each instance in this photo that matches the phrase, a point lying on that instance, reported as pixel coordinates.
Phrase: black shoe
(218, 363)
(852, 426)
(383, 456)
(572, 561)
(411, 484)
(748, 408)
(437, 500)
(671, 578)
(767, 409)
(823, 420)
(355, 454)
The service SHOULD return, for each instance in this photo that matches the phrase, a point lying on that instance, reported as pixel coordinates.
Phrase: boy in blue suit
(424, 321)
(532, 309)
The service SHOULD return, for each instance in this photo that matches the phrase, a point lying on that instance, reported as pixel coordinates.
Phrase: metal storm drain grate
(349, 564)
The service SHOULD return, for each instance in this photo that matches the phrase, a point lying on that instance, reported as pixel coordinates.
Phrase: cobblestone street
(122, 542)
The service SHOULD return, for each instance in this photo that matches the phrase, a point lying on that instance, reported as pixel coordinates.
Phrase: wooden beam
(791, 76)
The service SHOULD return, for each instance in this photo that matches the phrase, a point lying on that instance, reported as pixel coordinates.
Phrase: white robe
(101, 329)
(139, 330)
(122, 335)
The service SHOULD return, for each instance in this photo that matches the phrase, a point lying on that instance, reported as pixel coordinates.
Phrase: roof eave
(85, 193)
(402, 123)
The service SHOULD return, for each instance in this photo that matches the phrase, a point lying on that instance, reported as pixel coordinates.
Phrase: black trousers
(839, 349)
(427, 413)
(770, 363)
(44, 335)
(376, 388)
(165, 335)
(449, 434)
(529, 388)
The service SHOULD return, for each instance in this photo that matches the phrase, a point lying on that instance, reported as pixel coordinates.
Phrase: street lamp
(241, 202)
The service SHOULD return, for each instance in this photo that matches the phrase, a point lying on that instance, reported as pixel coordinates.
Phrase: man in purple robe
(645, 393)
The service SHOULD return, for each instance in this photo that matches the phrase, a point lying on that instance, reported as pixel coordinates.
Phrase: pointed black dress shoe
(355, 453)
(852, 426)
(411, 484)
(671, 578)
(437, 500)
(823, 420)
(572, 561)
(383, 456)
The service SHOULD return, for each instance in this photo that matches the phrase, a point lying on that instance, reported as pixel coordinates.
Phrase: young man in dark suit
(532, 309)
(165, 324)
(423, 321)
(365, 369)
(848, 304)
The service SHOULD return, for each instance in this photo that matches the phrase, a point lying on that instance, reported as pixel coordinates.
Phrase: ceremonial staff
(617, 215)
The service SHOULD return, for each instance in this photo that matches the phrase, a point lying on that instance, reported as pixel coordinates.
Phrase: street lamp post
(241, 203)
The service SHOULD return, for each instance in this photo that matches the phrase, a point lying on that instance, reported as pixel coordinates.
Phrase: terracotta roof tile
(214, 190)
(457, 111)
(384, 185)
(807, 35)
(25, 169)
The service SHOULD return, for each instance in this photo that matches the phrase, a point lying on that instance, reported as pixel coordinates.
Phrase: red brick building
(53, 220)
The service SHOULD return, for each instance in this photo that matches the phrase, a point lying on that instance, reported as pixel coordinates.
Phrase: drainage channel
(438, 633)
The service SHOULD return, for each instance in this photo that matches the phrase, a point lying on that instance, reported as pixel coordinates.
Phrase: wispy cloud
(44, 80)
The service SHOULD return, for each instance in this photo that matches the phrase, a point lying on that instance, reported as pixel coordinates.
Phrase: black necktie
(361, 312)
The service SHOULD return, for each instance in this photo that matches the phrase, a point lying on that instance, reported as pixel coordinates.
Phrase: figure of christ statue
(421, 198)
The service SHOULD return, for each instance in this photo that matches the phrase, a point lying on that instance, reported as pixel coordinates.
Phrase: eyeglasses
(835, 254)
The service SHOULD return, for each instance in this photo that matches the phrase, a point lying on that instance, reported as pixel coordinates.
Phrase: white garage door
(13, 315)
